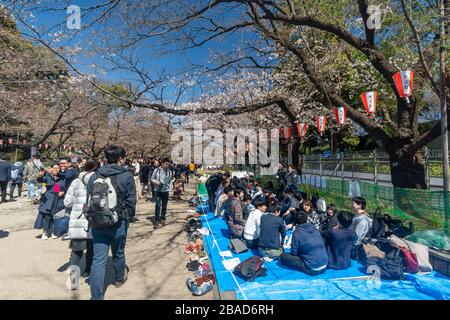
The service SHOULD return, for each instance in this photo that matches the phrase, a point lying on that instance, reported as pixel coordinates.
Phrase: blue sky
(172, 63)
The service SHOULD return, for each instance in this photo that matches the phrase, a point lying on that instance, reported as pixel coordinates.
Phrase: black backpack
(103, 206)
(396, 227)
(251, 268)
(378, 228)
(392, 266)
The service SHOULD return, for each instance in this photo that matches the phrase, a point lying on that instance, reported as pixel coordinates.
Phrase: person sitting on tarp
(234, 215)
(308, 253)
(331, 220)
(224, 202)
(362, 223)
(247, 206)
(339, 242)
(287, 200)
(252, 227)
(313, 217)
(273, 232)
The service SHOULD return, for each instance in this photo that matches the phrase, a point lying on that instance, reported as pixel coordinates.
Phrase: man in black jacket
(5, 176)
(212, 184)
(114, 236)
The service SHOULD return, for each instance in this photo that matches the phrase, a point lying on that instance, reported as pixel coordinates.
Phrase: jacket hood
(84, 174)
(111, 170)
(307, 228)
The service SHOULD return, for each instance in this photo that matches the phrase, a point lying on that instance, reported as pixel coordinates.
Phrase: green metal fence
(426, 209)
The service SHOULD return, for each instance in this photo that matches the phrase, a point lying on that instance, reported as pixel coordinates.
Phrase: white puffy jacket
(76, 198)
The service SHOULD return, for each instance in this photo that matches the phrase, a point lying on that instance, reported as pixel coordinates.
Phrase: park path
(31, 268)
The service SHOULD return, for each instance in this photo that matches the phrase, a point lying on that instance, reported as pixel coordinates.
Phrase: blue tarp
(287, 284)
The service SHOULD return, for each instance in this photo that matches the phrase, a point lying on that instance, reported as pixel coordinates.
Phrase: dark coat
(235, 217)
(339, 243)
(68, 178)
(272, 227)
(5, 171)
(50, 202)
(308, 244)
(213, 183)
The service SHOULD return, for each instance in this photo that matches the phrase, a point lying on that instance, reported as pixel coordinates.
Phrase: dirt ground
(31, 268)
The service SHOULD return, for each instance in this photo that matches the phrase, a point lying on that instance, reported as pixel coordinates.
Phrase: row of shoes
(204, 280)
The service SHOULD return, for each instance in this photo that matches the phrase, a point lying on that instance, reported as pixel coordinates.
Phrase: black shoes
(118, 284)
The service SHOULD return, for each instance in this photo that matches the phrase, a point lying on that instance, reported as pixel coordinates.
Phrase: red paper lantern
(321, 122)
(369, 100)
(302, 128)
(404, 83)
(10, 140)
(286, 132)
(341, 115)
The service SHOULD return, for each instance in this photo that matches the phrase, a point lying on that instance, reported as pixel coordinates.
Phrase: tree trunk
(408, 171)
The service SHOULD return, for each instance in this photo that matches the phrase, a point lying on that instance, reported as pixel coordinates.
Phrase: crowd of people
(322, 236)
(65, 192)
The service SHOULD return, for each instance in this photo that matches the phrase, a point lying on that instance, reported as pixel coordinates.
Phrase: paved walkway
(31, 268)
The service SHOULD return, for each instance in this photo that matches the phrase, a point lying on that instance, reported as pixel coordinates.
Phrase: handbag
(61, 226)
(412, 266)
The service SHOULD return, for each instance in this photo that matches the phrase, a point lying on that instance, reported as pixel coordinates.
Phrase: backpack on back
(102, 208)
(251, 268)
(14, 174)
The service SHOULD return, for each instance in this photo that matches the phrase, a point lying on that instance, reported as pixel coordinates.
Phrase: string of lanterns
(403, 82)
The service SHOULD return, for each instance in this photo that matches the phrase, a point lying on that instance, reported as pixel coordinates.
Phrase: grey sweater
(163, 176)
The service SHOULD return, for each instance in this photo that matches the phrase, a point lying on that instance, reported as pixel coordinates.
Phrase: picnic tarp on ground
(287, 284)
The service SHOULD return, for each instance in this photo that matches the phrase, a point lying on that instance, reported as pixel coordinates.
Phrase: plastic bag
(431, 238)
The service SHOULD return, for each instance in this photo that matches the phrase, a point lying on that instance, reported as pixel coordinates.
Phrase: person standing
(31, 174)
(162, 180)
(115, 236)
(281, 178)
(16, 179)
(68, 173)
(51, 201)
(5, 177)
(79, 233)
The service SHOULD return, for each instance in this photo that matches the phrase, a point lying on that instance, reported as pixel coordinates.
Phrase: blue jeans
(162, 198)
(114, 237)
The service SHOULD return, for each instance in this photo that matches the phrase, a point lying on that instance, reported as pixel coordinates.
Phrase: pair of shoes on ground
(199, 290)
(192, 247)
(199, 258)
(193, 266)
(200, 280)
(118, 284)
(45, 237)
(203, 270)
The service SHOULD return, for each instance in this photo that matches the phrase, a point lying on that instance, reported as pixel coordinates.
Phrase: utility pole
(444, 127)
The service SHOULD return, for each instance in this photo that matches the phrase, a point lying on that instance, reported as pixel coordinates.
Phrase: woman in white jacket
(79, 233)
